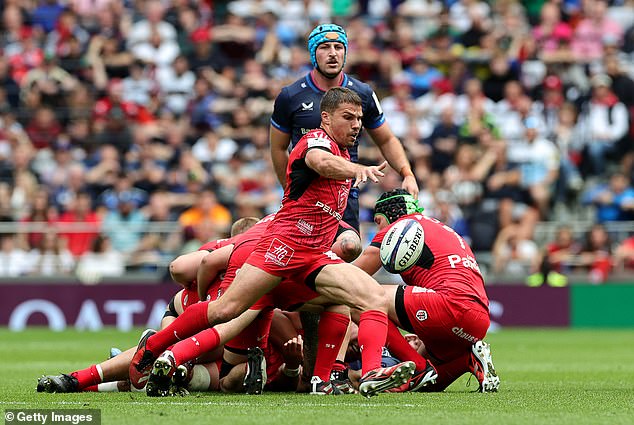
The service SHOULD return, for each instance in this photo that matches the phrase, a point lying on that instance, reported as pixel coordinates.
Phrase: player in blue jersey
(296, 112)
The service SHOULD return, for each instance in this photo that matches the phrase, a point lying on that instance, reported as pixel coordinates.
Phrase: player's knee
(222, 312)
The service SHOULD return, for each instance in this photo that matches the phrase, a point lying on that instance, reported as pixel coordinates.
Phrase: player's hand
(292, 352)
(372, 173)
(411, 185)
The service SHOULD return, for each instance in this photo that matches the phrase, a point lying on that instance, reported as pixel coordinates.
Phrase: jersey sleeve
(378, 238)
(372, 112)
(317, 141)
(282, 115)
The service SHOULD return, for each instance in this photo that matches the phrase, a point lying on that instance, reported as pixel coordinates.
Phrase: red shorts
(274, 361)
(447, 328)
(189, 296)
(281, 257)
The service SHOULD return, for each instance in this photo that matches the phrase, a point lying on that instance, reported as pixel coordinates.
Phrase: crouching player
(444, 301)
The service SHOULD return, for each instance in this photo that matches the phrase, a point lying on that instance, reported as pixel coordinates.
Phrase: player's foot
(183, 375)
(142, 361)
(339, 378)
(423, 378)
(255, 379)
(482, 367)
(385, 378)
(160, 379)
(57, 384)
(319, 387)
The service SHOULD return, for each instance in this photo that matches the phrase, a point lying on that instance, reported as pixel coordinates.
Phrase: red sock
(192, 321)
(400, 348)
(339, 365)
(190, 348)
(87, 377)
(449, 372)
(331, 332)
(372, 334)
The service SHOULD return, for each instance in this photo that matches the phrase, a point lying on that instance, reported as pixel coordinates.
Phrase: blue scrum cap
(325, 33)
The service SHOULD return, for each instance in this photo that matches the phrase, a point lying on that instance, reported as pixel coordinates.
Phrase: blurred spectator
(51, 257)
(513, 254)
(67, 32)
(46, 14)
(596, 254)
(552, 35)
(123, 191)
(568, 137)
(624, 255)
(100, 261)
(136, 88)
(44, 128)
(207, 209)
(41, 211)
(14, 261)
(613, 201)
(176, 84)
(443, 141)
(46, 84)
(152, 39)
(125, 225)
(8, 86)
(593, 30)
(557, 260)
(79, 225)
(607, 121)
(538, 165)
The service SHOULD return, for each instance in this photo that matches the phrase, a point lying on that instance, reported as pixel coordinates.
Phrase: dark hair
(395, 204)
(336, 96)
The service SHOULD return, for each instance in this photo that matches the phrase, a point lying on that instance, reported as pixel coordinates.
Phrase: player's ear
(325, 117)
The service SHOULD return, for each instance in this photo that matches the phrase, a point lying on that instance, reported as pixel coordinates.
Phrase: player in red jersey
(112, 374)
(444, 302)
(251, 329)
(297, 246)
(184, 268)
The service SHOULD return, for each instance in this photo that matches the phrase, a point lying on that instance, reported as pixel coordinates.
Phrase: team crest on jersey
(344, 191)
(421, 315)
(307, 106)
(279, 253)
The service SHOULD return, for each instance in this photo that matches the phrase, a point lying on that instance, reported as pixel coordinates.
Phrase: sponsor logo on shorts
(279, 253)
(416, 289)
(186, 299)
(462, 334)
(421, 315)
(305, 227)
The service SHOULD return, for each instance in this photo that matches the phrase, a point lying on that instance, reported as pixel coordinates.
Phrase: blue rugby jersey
(296, 109)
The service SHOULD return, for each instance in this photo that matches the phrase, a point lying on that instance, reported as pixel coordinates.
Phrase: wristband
(291, 373)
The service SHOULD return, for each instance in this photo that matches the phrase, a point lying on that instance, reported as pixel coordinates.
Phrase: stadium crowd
(116, 115)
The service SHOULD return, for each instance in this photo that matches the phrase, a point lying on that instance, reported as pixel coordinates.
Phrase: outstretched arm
(393, 152)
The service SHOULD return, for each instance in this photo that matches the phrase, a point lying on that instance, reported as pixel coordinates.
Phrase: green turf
(548, 377)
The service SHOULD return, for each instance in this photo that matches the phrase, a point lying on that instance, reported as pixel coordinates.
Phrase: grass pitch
(548, 377)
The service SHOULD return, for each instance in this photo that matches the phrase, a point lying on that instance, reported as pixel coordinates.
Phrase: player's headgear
(395, 204)
(326, 33)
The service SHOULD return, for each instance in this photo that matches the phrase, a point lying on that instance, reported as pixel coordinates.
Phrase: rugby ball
(402, 246)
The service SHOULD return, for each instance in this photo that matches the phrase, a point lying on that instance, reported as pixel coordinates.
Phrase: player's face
(330, 57)
(345, 124)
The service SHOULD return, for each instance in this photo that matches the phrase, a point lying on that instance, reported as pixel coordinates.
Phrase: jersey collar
(311, 83)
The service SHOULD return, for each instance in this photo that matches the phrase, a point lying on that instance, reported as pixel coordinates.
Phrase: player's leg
(333, 325)
(249, 286)
(189, 349)
(346, 284)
